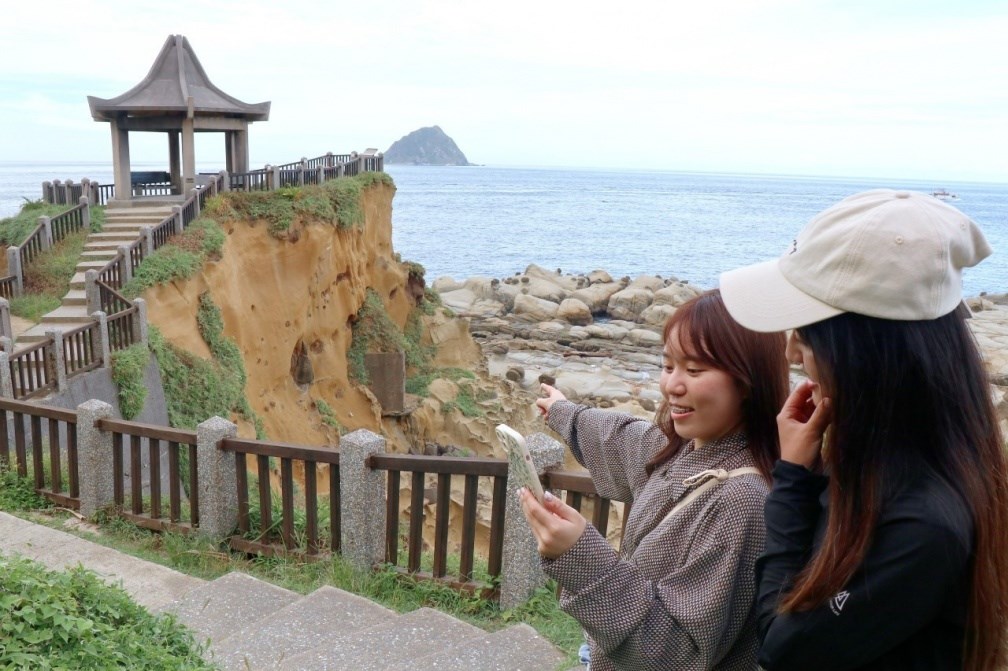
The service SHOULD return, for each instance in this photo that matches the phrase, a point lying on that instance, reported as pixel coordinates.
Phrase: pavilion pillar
(175, 161)
(188, 155)
(121, 162)
(241, 150)
(229, 151)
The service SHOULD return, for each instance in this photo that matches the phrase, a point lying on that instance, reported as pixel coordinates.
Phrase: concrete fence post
(127, 267)
(225, 181)
(7, 345)
(362, 494)
(140, 320)
(68, 191)
(6, 383)
(218, 479)
(104, 346)
(274, 177)
(94, 457)
(5, 321)
(329, 162)
(194, 193)
(521, 572)
(14, 268)
(56, 360)
(47, 192)
(320, 175)
(302, 170)
(47, 232)
(59, 192)
(91, 291)
(177, 215)
(86, 212)
(147, 241)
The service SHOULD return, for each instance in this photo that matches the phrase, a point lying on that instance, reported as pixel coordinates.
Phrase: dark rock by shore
(426, 146)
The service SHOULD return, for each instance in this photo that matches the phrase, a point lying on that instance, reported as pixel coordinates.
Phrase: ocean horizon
(494, 221)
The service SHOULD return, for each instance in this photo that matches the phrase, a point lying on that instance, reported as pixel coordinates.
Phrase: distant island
(426, 146)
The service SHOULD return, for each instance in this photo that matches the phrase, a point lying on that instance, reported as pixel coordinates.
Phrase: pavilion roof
(176, 83)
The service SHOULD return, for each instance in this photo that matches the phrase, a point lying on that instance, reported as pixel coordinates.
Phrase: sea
(495, 221)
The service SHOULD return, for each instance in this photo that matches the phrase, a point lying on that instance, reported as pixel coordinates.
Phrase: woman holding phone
(679, 594)
(887, 525)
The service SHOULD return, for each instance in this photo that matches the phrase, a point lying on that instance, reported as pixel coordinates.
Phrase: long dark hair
(909, 397)
(754, 360)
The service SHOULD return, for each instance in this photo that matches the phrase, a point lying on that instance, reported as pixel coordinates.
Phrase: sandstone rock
(645, 338)
(554, 277)
(442, 390)
(445, 283)
(515, 374)
(629, 303)
(578, 333)
(657, 315)
(574, 312)
(606, 331)
(649, 282)
(547, 379)
(542, 288)
(599, 277)
(530, 308)
(483, 287)
(675, 294)
(597, 296)
(647, 404)
(979, 304)
(550, 330)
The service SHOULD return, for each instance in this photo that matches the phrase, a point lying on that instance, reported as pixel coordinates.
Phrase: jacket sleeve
(689, 618)
(614, 446)
(902, 584)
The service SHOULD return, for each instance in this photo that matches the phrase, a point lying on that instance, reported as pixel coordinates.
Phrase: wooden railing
(161, 233)
(61, 436)
(8, 286)
(33, 245)
(69, 222)
(82, 350)
(149, 511)
(268, 537)
(29, 371)
(122, 329)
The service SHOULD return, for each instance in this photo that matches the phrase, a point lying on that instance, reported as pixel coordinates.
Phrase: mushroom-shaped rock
(657, 315)
(596, 296)
(629, 303)
(530, 308)
(575, 312)
(599, 277)
(675, 294)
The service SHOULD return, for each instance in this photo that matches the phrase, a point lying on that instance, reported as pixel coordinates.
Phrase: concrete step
(300, 627)
(223, 606)
(65, 314)
(98, 254)
(77, 281)
(85, 266)
(75, 297)
(519, 647)
(389, 646)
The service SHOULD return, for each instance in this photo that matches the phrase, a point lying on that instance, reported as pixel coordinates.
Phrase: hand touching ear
(556, 526)
(801, 424)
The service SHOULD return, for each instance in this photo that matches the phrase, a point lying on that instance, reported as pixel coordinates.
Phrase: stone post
(225, 181)
(320, 175)
(147, 241)
(362, 494)
(127, 267)
(194, 193)
(94, 457)
(218, 480)
(6, 345)
(104, 346)
(274, 176)
(56, 361)
(521, 573)
(91, 291)
(14, 268)
(177, 214)
(86, 212)
(140, 320)
(5, 322)
(47, 192)
(58, 192)
(47, 233)
(6, 383)
(301, 171)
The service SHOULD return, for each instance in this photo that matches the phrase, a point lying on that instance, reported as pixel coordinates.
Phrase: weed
(180, 258)
(128, 366)
(18, 494)
(328, 417)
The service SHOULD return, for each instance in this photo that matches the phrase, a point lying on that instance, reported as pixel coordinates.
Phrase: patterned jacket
(680, 593)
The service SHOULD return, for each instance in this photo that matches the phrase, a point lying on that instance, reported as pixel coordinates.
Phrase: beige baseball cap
(881, 253)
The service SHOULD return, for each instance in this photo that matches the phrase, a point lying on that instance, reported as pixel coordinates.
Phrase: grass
(15, 230)
(128, 366)
(373, 331)
(328, 416)
(180, 258)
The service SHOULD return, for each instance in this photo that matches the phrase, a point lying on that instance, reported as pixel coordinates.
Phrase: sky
(913, 89)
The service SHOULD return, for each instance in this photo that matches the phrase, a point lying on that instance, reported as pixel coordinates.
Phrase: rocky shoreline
(598, 339)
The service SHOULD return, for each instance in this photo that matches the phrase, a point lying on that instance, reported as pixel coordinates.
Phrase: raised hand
(556, 526)
(802, 424)
(552, 395)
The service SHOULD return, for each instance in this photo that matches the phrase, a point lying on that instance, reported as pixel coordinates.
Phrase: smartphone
(520, 461)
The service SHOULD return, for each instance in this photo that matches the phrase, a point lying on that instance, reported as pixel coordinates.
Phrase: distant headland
(426, 146)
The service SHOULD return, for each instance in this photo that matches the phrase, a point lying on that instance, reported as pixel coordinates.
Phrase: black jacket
(905, 608)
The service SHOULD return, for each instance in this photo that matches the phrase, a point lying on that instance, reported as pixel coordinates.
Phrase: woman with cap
(680, 592)
(887, 523)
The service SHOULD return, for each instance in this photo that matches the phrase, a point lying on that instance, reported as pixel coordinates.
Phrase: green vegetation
(18, 494)
(72, 620)
(328, 416)
(180, 258)
(128, 366)
(15, 230)
(336, 202)
(373, 331)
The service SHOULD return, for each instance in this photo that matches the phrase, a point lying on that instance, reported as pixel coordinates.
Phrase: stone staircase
(122, 227)
(251, 624)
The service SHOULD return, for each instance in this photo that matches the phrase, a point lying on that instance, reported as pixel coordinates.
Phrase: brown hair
(910, 398)
(754, 360)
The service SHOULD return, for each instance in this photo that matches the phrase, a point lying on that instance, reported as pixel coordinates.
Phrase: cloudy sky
(876, 88)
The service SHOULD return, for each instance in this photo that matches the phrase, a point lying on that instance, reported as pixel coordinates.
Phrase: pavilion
(176, 97)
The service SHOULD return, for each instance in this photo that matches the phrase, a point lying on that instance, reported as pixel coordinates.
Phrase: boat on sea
(942, 194)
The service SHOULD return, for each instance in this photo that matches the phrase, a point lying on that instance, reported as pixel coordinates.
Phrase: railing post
(521, 573)
(127, 266)
(140, 320)
(301, 171)
(177, 214)
(68, 191)
(47, 192)
(225, 181)
(91, 291)
(274, 173)
(5, 323)
(329, 160)
(86, 212)
(147, 240)
(47, 232)
(94, 458)
(58, 192)
(14, 268)
(194, 193)
(320, 175)
(6, 383)
(56, 360)
(218, 479)
(103, 337)
(362, 495)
